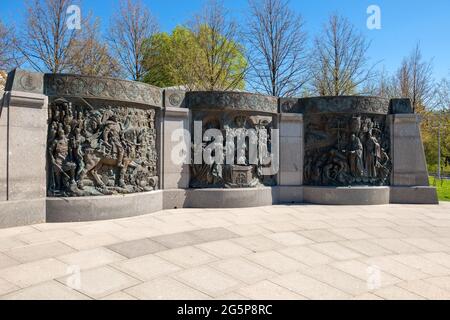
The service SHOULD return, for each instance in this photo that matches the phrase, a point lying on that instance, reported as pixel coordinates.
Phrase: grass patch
(443, 188)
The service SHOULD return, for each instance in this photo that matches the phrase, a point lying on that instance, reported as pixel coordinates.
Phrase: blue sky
(404, 22)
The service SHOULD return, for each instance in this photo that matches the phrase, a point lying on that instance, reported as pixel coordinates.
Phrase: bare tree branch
(338, 62)
(129, 28)
(46, 39)
(277, 48)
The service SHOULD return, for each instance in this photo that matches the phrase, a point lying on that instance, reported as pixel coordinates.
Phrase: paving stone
(427, 244)
(101, 282)
(243, 270)
(309, 287)
(31, 273)
(266, 290)
(39, 251)
(425, 289)
(146, 267)
(257, 243)
(178, 240)
(90, 241)
(366, 247)
(395, 268)
(276, 262)
(336, 251)
(338, 279)
(306, 255)
(289, 238)
(6, 287)
(51, 290)
(187, 256)
(214, 234)
(6, 261)
(10, 243)
(224, 249)
(320, 235)
(137, 248)
(47, 236)
(372, 275)
(208, 280)
(422, 264)
(441, 282)
(93, 258)
(165, 289)
(119, 296)
(351, 233)
(396, 245)
(396, 293)
(438, 257)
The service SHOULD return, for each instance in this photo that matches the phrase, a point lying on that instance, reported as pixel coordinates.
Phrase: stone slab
(414, 195)
(103, 207)
(346, 196)
(230, 198)
(22, 212)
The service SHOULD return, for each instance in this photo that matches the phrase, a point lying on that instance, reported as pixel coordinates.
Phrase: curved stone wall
(79, 148)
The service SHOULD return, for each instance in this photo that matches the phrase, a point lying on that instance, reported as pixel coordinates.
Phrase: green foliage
(194, 60)
(443, 188)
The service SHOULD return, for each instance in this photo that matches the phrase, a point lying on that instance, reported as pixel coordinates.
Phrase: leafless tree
(46, 38)
(339, 62)
(89, 56)
(7, 51)
(129, 28)
(414, 79)
(221, 64)
(277, 48)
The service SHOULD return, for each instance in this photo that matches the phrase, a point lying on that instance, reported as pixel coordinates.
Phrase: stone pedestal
(176, 143)
(408, 156)
(22, 164)
(291, 150)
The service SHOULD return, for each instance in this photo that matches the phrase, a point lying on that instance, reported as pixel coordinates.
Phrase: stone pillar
(23, 129)
(290, 176)
(291, 150)
(176, 119)
(3, 147)
(408, 156)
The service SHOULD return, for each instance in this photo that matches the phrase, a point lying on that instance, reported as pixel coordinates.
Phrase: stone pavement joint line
(273, 252)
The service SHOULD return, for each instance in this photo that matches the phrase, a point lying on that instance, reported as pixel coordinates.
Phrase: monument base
(122, 206)
(22, 212)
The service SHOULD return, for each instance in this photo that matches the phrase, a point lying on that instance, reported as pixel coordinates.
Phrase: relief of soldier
(100, 151)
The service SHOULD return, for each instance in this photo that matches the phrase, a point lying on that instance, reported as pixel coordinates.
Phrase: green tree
(169, 57)
(204, 56)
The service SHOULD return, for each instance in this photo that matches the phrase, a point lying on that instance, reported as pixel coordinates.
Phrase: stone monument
(79, 148)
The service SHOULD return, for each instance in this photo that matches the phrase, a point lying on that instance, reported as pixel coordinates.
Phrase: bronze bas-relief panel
(344, 149)
(101, 148)
(242, 173)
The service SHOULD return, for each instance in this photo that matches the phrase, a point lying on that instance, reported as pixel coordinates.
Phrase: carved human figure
(62, 169)
(112, 138)
(372, 154)
(355, 156)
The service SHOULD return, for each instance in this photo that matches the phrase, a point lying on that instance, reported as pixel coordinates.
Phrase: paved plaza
(276, 252)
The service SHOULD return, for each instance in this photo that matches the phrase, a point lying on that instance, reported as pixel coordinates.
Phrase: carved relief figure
(101, 150)
(237, 129)
(344, 149)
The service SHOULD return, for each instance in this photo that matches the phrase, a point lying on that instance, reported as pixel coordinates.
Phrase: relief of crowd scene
(100, 150)
(344, 150)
